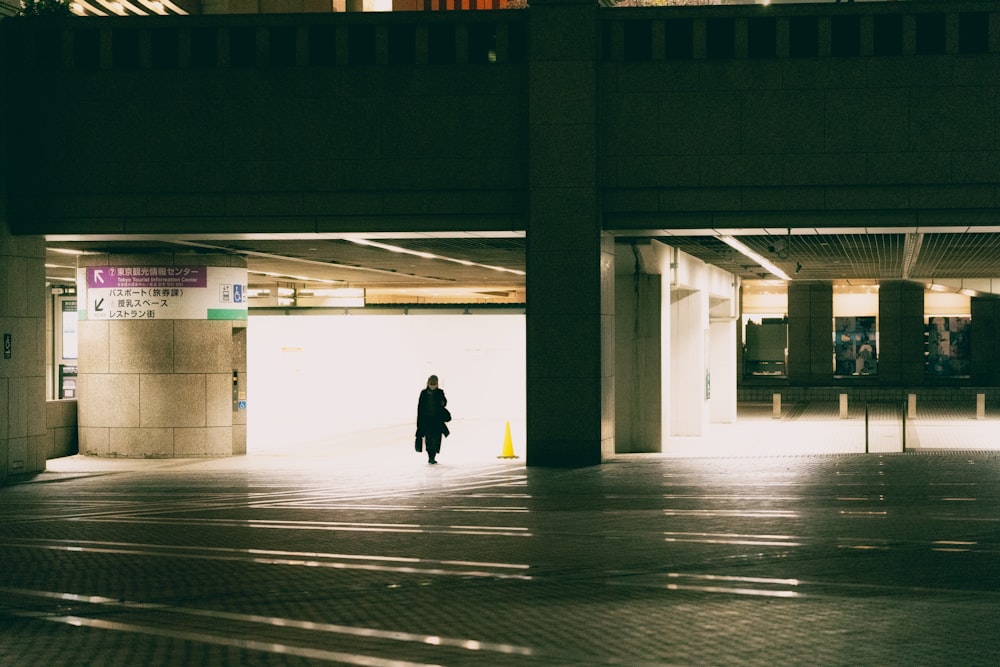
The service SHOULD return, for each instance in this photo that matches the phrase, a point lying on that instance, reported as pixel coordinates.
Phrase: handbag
(445, 415)
(418, 444)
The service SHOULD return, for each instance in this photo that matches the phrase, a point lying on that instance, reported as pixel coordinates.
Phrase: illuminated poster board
(948, 352)
(855, 346)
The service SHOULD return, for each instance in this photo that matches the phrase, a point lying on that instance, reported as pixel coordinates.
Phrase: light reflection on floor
(365, 555)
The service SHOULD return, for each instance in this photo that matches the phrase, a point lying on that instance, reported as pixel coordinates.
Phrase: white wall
(312, 378)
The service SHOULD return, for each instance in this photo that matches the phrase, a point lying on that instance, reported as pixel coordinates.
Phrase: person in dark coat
(431, 417)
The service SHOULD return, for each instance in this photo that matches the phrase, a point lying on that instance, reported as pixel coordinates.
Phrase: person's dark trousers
(432, 442)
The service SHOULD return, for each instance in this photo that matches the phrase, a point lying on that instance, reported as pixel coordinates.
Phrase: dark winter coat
(431, 412)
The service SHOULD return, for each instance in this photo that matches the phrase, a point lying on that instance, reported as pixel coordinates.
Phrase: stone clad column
(159, 339)
(985, 341)
(23, 435)
(570, 263)
(901, 333)
(810, 334)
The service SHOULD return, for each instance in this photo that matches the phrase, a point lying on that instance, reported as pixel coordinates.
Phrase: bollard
(902, 421)
(866, 427)
(911, 409)
(980, 406)
(776, 406)
(843, 406)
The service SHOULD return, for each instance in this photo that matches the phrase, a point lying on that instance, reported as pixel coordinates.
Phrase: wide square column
(810, 334)
(901, 325)
(570, 263)
(162, 347)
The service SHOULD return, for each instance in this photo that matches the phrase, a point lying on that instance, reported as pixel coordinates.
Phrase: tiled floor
(365, 555)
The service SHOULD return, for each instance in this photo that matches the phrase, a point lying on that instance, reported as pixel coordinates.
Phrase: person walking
(431, 417)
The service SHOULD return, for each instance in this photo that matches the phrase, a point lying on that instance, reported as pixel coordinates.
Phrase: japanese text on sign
(163, 292)
(146, 276)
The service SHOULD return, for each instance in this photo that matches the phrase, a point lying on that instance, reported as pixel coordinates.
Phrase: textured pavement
(375, 558)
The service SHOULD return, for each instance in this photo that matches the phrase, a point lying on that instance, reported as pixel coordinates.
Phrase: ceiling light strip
(911, 250)
(271, 274)
(427, 255)
(286, 258)
(747, 252)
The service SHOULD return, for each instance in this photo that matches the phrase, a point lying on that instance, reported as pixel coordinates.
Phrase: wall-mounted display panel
(855, 346)
(765, 328)
(855, 329)
(948, 350)
(947, 334)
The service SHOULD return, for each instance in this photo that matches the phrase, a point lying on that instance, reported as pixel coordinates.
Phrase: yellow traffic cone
(508, 446)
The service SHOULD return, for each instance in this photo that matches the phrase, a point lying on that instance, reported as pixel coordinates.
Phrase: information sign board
(162, 293)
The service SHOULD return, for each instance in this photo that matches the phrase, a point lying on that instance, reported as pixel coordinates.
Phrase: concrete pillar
(161, 340)
(570, 263)
(901, 333)
(980, 406)
(688, 362)
(776, 406)
(722, 371)
(844, 413)
(638, 394)
(985, 341)
(23, 434)
(666, 358)
(911, 406)
(810, 333)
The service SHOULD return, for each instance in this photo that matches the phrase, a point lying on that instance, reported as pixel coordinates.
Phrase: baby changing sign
(162, 293)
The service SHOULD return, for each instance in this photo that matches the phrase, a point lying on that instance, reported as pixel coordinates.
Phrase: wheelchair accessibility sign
(231, 293)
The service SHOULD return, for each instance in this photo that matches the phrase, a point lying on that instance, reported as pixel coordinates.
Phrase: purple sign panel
(146, 276)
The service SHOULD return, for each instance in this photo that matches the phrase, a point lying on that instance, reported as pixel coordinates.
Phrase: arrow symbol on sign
(98, 305)
(99, 275)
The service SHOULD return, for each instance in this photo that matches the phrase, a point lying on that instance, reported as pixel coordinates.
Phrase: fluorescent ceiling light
(427, 255)
(271, 274)
(911, 250)
(70, 251)
(342, 292)
(747, 252)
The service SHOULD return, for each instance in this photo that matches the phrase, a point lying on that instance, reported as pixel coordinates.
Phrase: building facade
(596, 131)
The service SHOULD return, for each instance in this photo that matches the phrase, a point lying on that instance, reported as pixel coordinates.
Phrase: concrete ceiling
(857, 255)
(473, 268)
(453, 268)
